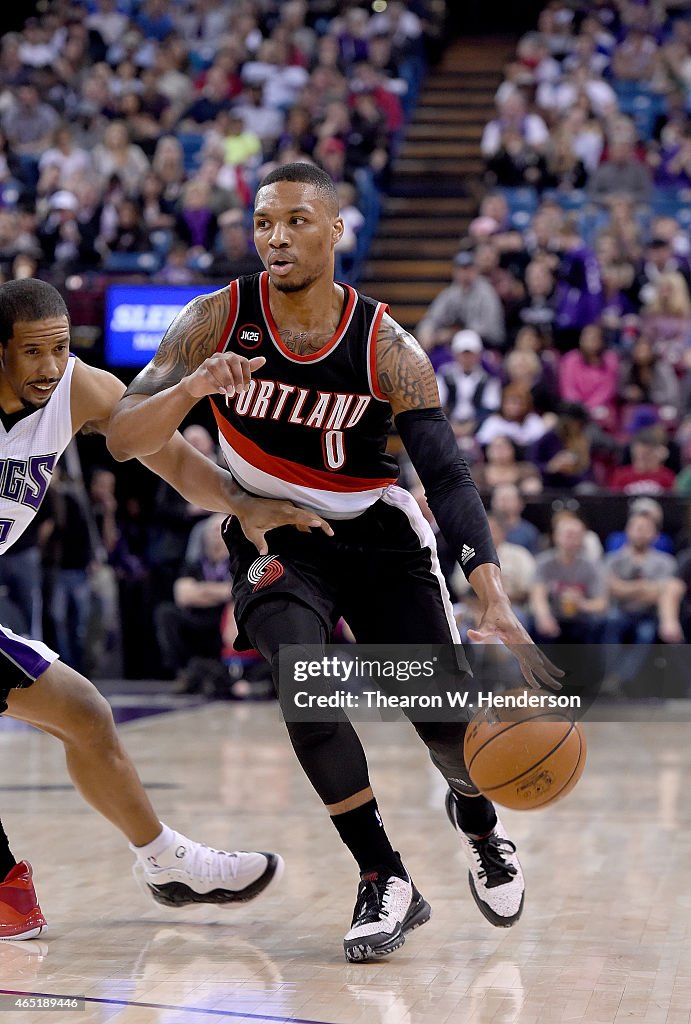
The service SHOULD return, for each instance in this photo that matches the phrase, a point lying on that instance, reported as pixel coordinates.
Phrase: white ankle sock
(157, 846)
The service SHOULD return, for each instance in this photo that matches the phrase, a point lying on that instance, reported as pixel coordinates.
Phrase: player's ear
(337, 230)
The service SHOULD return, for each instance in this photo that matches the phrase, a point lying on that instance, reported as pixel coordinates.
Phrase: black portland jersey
(310, 428)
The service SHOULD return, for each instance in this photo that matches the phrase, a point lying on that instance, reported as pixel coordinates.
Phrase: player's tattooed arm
(186, 367)
(404, 372)
(191, 338)
(94, 396)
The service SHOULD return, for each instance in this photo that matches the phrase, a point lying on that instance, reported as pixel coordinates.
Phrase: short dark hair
(642, 514)
(517, 450)
(307, 174)
(567, 513)
(27, 301)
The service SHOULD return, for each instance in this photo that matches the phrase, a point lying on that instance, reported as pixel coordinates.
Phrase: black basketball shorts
(380, 572)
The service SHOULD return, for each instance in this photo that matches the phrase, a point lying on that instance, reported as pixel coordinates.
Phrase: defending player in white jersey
(46, 397)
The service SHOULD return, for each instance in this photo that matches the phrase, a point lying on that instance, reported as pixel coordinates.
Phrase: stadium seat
(575, 199)
(591, 222)
(191, 148)
(132, 263)
(161, 240)
(519, 199)
(665, 202)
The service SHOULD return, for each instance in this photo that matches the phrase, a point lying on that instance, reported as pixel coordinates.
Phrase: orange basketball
(524, 757)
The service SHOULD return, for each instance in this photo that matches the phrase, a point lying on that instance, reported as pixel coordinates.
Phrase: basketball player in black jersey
(304, 375)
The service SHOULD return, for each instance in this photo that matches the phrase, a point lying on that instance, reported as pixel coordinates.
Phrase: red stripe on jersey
(293, 472)
(372, 346)
(232, 315)
(278, 341)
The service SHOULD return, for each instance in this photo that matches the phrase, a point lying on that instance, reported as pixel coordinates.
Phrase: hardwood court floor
(605, 936)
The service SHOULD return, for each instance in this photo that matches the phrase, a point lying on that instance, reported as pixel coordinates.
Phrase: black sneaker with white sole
(386, 909)
(494, 876)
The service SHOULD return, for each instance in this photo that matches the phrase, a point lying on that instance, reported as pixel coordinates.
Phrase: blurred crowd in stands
(563, 344)
(132, 136)
(133, 132)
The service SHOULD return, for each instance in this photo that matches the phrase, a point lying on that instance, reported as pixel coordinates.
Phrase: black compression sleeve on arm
(451, 492)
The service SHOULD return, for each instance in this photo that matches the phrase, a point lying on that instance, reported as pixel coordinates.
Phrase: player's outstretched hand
(498, 620)
(259, 515)
(223, 373)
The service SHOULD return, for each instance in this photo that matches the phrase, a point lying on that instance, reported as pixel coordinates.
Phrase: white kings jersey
(29, 451)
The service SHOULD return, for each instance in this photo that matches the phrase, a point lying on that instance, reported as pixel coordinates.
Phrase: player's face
(295, 231)
(35, 358)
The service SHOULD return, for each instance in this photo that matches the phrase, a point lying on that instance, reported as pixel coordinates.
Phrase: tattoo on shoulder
(405, 373)
(191, 338)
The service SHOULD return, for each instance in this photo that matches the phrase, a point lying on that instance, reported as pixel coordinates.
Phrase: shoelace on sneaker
(490, 853)
(205, 863)
(372, 901)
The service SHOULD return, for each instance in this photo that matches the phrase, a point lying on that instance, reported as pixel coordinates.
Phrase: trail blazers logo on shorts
(264, 571)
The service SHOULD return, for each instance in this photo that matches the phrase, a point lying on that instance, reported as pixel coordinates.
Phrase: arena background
(421, 174)
(440, 184)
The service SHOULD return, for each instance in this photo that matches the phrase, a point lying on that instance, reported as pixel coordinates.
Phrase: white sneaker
(495, 876)
(386, 908)
(189, 872)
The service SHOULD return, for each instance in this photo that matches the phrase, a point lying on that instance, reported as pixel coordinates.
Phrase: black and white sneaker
(386, 909)
(495, 876)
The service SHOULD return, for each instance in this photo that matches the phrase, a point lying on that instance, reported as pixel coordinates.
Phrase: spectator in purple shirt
(563, 453)
(196, 223)
(578, 297)
(674, 167)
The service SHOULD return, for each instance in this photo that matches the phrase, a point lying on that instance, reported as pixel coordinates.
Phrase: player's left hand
(259, 515)
(498, 620)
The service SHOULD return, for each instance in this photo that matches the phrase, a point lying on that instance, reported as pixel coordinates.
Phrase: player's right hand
(499, 620)
(259, 515)
(223, 373)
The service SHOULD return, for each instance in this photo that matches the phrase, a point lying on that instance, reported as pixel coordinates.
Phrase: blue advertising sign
(138, 315)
